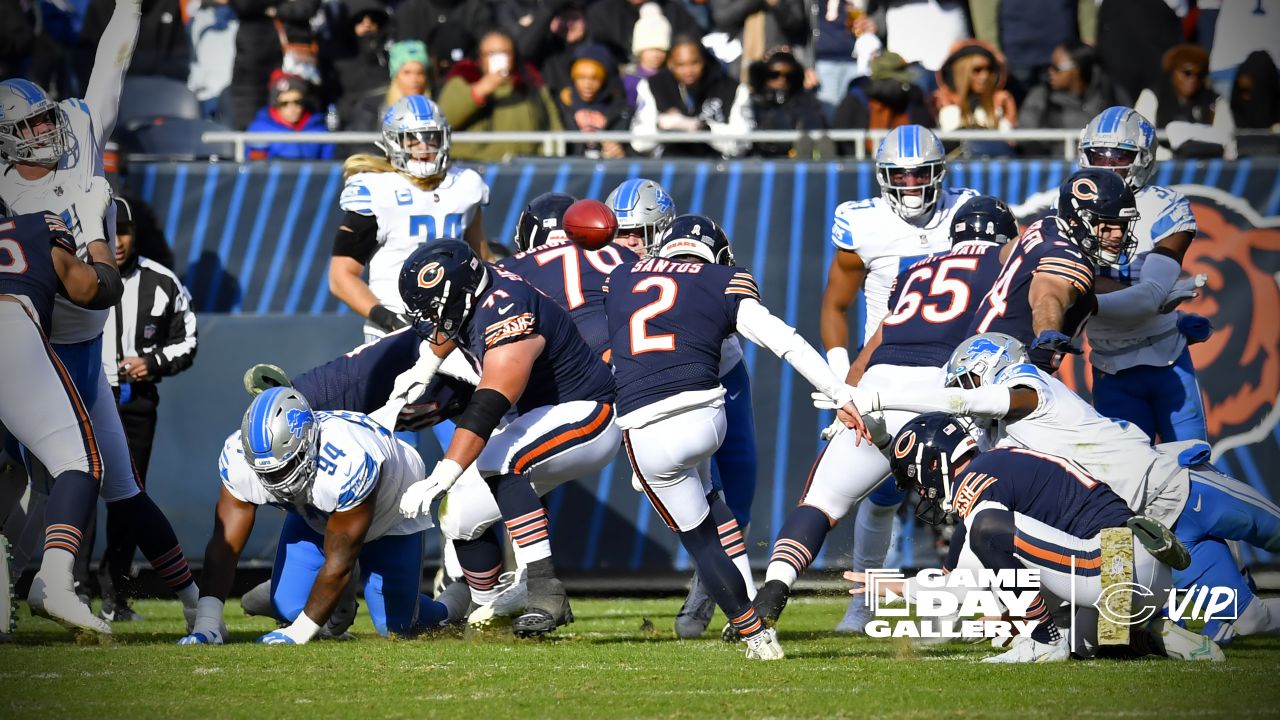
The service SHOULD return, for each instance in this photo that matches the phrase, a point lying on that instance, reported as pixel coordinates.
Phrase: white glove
(418, 498)
(408, 386)
(1183, 290)
(865, 400)
(93, 204)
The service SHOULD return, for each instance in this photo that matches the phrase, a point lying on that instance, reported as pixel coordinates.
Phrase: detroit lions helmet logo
(298, 420)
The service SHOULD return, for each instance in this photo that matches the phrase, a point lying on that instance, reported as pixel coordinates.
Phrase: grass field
(611, 663)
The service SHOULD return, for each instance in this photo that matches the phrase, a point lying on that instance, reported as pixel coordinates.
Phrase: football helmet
(984, 219)
(542, 220)
(922, 457)
(33, 128)
(440, 284)
(910, 166)
(696, 237)
(280, 438)
(411, 122)
(1121, 140)
(977, 361)
(1092, 197)
(643, 205)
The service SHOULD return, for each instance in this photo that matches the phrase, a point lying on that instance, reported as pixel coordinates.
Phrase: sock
(872, 531)
(1261, 615)
(524, 516)
(156, 539)
(456, 599)
(719, 575)
(71, 502)
(431, 613)
(481, 562)
(733, 540)
(798, 543)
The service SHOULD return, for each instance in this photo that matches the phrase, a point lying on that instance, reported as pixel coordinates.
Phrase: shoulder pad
(1022, 373)
(356, 196)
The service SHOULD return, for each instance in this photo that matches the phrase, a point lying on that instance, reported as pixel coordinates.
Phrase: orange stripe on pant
(547, 448)
(82, 413)
(653, 497)
(1056, 558)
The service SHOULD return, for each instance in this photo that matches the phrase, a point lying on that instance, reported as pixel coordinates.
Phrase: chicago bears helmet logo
(903, 445)
(1084, 189)
(430, 275)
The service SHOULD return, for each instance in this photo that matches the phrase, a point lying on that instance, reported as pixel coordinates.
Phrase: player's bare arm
(346, 282)
(844, 280)
(232, 523)
(1049, 297)
(344, 535)
(859, 365)
(475, 237)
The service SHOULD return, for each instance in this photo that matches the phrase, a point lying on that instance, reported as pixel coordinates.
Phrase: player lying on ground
(989, 378)
(1018, 508)
(668, 316)
(339, 475)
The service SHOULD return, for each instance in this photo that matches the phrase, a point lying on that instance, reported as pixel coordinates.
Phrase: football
(590, 223)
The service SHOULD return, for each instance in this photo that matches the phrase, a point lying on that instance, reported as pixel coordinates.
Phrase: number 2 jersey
(510, 310)
(357, 460)
(1041, 249)
(933, 303)
(574, 278)
(667, 321)
(26, 261)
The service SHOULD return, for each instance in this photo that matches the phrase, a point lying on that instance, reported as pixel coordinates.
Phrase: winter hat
(595, 55)
(891, 66)
(652, 30)
(407, 51)
(282, 83)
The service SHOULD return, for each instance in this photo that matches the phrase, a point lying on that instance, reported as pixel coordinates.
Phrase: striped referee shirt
(153, 321)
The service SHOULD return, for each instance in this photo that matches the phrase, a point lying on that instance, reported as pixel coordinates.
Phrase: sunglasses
(980, 69)
(775, 73)
(287, 103)
(1190, 72)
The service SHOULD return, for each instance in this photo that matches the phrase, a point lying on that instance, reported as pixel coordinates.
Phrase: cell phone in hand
(500, 63)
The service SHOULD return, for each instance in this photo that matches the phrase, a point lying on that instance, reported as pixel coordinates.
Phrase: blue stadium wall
(252, 244)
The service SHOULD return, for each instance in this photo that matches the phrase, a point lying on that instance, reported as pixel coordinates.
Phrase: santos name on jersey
(409, 216)
(357, 459)
(888, 244)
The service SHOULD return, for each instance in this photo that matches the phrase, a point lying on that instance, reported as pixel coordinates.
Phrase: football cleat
(1180, 643)
(61, 605)
(1026, 650)
(122, 613)
(765, 646)
(264, 376)
(548, 609)
(856, 617)
(695, 614)
(771, 600)
(1160, 542)
(512, 599)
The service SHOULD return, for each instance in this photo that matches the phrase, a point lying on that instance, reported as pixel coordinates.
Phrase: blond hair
(366, 163)
(963, 70)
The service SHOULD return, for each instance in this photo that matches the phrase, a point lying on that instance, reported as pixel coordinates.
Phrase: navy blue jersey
(26, 259)
(511, 310)
(574, 278)
(666, 322)
(1051, 489)
(1041, 249)
(932, 305)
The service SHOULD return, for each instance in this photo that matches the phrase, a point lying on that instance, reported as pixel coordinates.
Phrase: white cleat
(64, 607)
(1026, 650)
(1180, 643)
(765, 646)
(512, 599)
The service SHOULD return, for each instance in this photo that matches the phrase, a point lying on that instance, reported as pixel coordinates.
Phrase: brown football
(590, 223)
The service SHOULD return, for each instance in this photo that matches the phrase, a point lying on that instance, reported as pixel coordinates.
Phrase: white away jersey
(1113, 451)
(60, 192)
(888, 244)
(408, 217)
(1153, 340)
(358, 459)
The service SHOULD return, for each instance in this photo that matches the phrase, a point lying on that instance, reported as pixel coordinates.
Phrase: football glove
(1048, 349)
(1196, 328)
(418, 497)
(386, 319)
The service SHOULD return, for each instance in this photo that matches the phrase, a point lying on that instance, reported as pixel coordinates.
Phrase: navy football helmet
(695, 237)
(542, 220)
(923, 454)
(440, 284)
(984, 219)
(1090, 200)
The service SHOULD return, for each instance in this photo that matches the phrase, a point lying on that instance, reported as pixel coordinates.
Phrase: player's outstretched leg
(52, 594)
(797, 545)
(698, 608)
(526, 521)
(159, 545)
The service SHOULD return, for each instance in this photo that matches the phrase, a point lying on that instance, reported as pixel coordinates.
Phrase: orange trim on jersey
(1081, 563)
(549, 447)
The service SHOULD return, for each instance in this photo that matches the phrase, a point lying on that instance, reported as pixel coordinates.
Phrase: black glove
(1048, 350)
(387, 319)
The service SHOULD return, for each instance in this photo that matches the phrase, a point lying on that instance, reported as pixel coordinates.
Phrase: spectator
(1027, 31)
(260, 50)
(554, 34)
(431, 21)
(844, 43)
(500, 92)
(407, 68)
(613, 22)
(25, 49)
(692, 93)
(760, 25)
(289, 112)
(595, 101)
(779, 101)
(650, 42)
(885, 100)
(213, 28)
(1133, 36)
(971, 92)
(922, 30)
(1197, 121)
(1255, 96)
(362, 77)
(163, 46)
(1239, 29)
(1075, 92)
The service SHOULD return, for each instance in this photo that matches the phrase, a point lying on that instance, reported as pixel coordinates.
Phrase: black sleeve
(357, 237)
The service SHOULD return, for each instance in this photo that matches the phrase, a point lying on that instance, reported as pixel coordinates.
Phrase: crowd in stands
(1198, 69)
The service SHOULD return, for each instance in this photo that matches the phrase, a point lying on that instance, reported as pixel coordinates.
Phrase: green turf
(609, 664)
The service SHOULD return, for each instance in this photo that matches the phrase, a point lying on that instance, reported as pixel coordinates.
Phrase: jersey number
(604, 260)
(641, 340)
(913, 302)
(998, 297)
(12, 259)
(423, 227)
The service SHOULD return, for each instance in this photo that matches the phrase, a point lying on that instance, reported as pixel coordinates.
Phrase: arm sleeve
(179, 350)
(357, 237)
(765, 329)
(991, 401)
(1143, 298)
(645, 120)
(115, 50)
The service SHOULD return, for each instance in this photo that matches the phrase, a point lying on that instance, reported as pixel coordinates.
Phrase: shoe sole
(539, 626)
(68, 624)
(1160, 542)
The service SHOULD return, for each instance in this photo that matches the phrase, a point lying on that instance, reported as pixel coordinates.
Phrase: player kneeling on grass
(340, 477)
(1017, 508)
(668, 316)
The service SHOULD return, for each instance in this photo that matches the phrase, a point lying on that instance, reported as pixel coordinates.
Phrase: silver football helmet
(33, 128)
(1121, 140)
(643, 205)
(281, 438)
(979, 359)
(415, 126)
(910, 166)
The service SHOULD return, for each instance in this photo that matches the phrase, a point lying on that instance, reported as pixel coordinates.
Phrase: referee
(149, 335)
